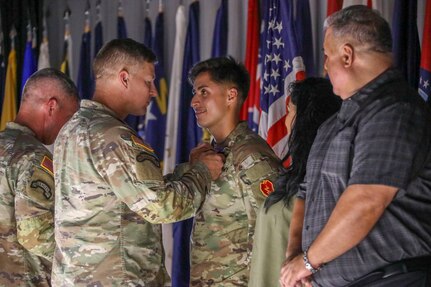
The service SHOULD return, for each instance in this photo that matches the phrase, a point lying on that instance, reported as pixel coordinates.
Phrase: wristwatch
(308, 265)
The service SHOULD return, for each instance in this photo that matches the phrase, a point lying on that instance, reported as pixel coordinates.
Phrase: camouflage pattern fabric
(223, 232)
(26, 209)
(110, 190)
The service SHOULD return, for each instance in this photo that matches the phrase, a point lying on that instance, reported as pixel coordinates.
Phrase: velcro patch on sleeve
(43, 186)
(47, 165)
(266, 187)
(139, 143)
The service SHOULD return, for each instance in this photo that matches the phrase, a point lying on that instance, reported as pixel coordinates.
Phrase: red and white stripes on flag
(281, 65)
(251, 109)
(425, 66)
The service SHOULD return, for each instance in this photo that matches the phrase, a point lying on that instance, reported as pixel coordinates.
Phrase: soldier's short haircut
(364, 25)
(124, 52)
(224, 70)
(51, 74)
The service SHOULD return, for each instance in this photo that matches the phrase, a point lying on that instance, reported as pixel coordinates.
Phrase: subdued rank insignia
(43, 186)
(138, 142)
(266, 187)
(47, 165)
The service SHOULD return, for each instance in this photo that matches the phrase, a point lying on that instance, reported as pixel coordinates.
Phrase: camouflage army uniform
(224, 227)
(26, 209)
(110, 190)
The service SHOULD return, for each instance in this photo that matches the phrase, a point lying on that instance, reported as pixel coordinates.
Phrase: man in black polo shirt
(366, 210)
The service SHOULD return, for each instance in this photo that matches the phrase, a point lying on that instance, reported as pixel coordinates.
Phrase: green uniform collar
(23, 129)
(93, 105)
(225, 145)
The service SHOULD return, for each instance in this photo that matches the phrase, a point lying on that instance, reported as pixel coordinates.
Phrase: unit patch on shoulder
(266, 187)
(43, 186)
(47, 165)
(138, 142)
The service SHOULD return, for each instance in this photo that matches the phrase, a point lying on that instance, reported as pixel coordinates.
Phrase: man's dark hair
(364, 25)
(127, 52)
(65, 83)
(224, 70)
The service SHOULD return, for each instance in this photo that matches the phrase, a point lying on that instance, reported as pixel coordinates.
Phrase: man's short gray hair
(362, 24)
(63, 81)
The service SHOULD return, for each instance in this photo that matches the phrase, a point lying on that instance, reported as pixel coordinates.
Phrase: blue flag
(148, 34)
(282, 64)
(189, 135)
(98, 37)
(29, 65)
(84, 82)
(219, 47)
(156, 114)
(304, 35)
(406, 47)
(121, 28)
(98, 29)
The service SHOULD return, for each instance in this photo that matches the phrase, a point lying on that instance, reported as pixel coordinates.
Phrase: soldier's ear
(123, 77)
(232, 95)
(52, 105)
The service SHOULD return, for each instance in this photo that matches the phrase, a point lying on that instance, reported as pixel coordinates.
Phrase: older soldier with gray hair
(26, 179)
(111, 188)
(365, 213)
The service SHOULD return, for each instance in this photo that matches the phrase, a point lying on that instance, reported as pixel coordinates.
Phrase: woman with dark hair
(311, 103)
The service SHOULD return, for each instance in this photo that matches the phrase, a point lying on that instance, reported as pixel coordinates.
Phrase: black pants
(408, 273)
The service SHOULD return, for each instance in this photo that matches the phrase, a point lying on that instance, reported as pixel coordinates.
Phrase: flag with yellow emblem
(9, 107)
(66, 64)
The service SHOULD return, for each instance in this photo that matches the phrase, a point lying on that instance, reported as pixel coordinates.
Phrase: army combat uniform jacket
(110, 191)
(224, 227)
(26, 209)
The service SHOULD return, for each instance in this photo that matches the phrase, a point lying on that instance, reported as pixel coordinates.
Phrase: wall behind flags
(134, 13)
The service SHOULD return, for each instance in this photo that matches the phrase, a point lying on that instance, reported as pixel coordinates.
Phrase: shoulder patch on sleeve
(266, 187)
(139, 143)
(143, 156)
(47, 165)
(43, 186)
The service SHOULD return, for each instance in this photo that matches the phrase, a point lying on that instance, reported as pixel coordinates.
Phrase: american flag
(281, 65)
(425, 68)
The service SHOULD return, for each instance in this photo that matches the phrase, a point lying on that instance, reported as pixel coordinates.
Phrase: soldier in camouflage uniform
(224, 227)
(27, 182)
(111, 188)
